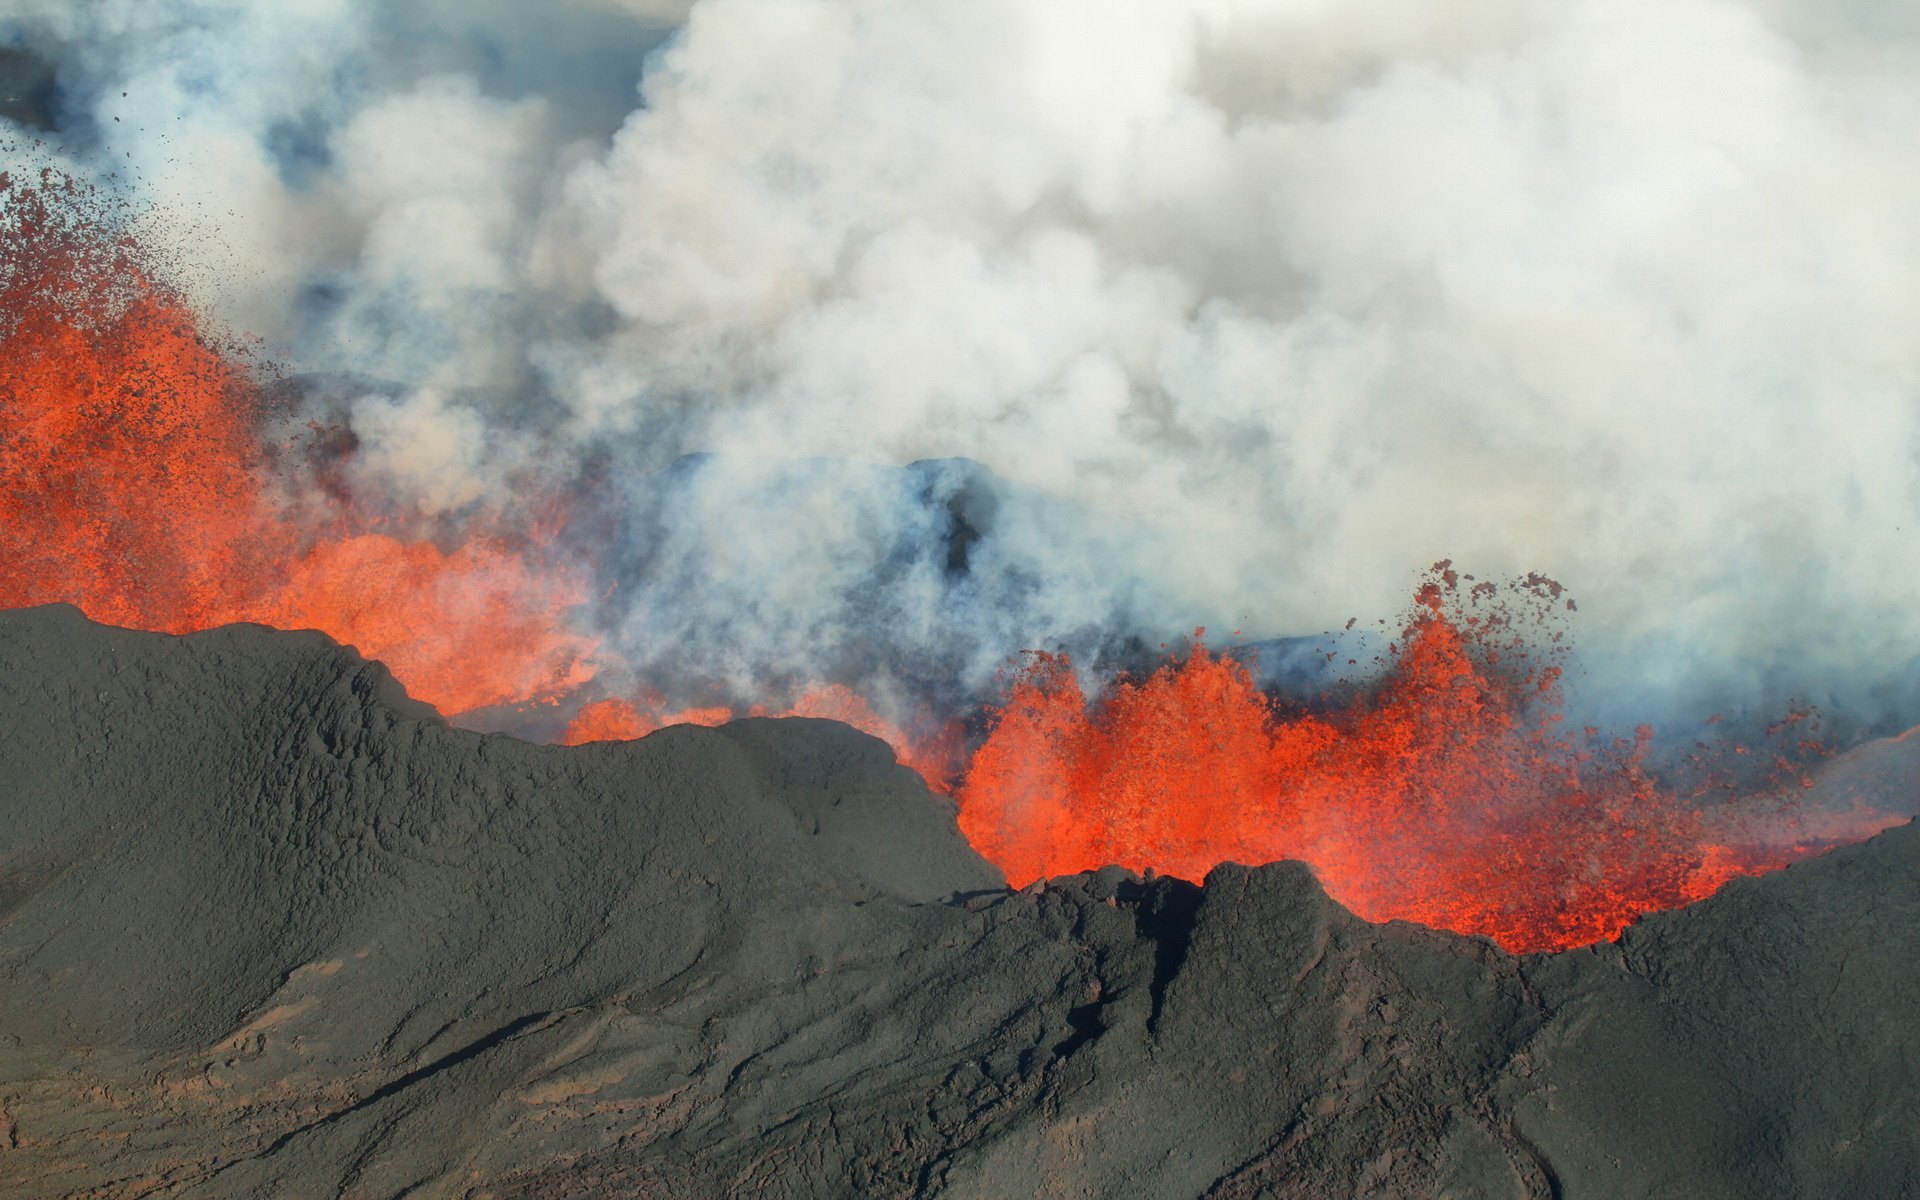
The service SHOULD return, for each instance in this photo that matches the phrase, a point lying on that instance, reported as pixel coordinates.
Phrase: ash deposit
(270, 928)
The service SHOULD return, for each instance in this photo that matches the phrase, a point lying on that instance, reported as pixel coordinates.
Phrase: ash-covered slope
(268, 928)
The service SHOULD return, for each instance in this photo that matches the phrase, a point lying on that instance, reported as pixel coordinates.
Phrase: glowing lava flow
(936, 758)
(125, 440)
(1447, 797)
(130, 486)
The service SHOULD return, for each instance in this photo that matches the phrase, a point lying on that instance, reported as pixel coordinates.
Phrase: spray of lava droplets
(134, 484)
(131, 485)
(1448, 795)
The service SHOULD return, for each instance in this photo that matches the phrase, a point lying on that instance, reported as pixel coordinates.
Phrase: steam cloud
(1249, 309)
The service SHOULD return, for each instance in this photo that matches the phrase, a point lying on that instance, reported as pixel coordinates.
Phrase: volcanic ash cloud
(1257, 308)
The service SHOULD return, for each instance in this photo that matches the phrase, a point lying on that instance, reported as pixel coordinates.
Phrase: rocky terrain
(270, 928)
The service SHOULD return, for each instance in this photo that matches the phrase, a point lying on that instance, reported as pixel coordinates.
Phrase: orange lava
(1446, 797)
(935, 758)
(126, 480)
(617, 720)
(131, 486)
(464, 630)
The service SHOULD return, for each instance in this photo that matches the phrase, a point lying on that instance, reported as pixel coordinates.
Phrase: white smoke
(1256, 307)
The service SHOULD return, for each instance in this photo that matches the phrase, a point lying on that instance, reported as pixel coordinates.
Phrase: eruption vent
(133, 484)
(1451, 794)
(139, 489)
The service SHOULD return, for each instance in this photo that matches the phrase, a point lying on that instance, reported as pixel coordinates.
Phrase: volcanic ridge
(270, 927)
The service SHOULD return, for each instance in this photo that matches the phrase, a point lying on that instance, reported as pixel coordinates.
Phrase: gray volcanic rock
(269, 928)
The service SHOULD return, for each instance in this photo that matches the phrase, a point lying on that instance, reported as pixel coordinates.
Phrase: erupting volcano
(139, 486)
(135, 484)
(1450, 794)
(630, 598)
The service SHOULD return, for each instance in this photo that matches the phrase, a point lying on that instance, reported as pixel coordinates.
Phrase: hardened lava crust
(270, 928)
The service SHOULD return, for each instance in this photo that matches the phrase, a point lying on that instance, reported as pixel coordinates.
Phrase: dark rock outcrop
(269, 928)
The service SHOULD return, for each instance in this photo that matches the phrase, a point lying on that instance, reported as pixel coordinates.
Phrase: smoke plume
(1234, 313)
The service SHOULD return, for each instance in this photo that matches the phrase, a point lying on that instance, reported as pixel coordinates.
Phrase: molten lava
(131, 486)
(126, 474)
(936, 758)
(617, 720)
(134, 484)
(1447, 796)
(469, 629)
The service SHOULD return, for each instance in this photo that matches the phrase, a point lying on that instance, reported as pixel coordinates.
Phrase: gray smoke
(1251, 308)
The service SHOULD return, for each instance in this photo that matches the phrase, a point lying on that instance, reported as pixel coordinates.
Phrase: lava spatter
(935, 757)
(1448, 795)
(132, 485)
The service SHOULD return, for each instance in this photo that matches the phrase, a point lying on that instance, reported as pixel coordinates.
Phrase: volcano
(829, 597)
(270, 927)
(157, 479)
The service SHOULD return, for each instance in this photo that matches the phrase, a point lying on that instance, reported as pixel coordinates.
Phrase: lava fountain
(1450, 794)
(135, 483)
